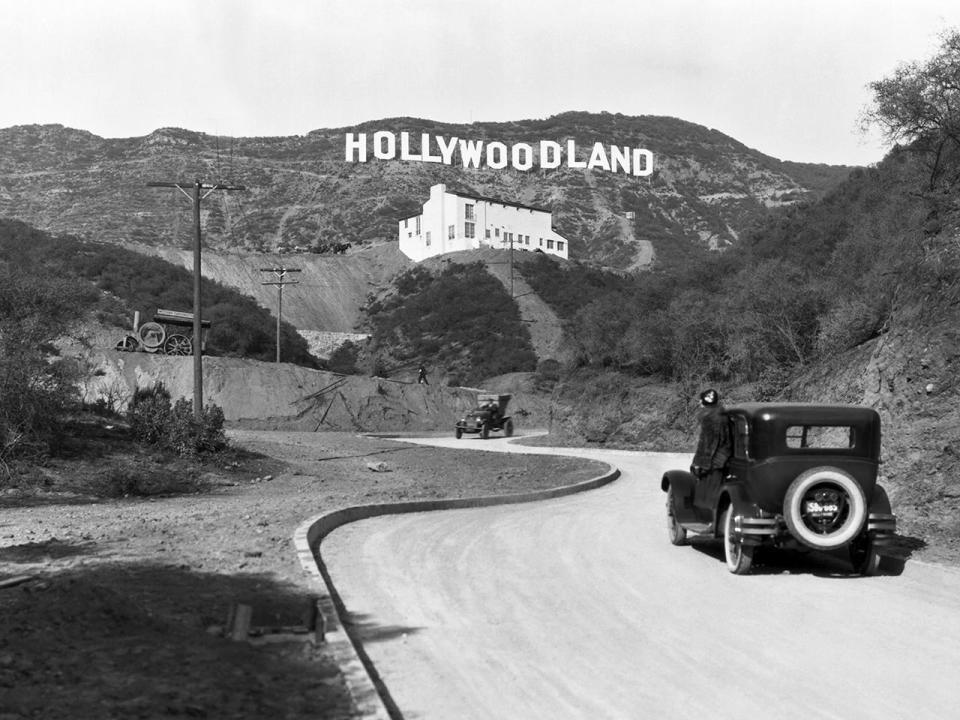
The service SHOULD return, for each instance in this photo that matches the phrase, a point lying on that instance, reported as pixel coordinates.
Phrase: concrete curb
(368, 691)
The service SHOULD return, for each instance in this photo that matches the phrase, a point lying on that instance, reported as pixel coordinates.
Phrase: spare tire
(825, 508)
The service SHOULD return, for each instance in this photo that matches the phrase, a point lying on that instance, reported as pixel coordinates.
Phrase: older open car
(800, 475)
(490, 415)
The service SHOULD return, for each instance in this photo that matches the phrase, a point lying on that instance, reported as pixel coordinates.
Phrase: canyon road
(579, 607)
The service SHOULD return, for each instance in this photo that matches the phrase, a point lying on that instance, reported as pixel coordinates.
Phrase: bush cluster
(36, 386)
(459, 323)
(155, 421)
(239, 326)
(806, 283)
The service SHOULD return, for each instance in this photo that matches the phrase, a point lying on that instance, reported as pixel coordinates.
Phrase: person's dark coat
(715, 444)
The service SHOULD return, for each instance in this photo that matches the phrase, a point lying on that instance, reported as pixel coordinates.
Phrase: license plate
(815, 508)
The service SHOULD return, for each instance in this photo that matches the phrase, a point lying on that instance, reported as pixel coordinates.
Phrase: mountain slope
(707, 187)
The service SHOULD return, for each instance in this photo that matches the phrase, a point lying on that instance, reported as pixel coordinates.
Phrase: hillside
(707, 187)
(331, 289)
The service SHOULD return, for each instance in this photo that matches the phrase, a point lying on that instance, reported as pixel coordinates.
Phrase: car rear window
(821, 437)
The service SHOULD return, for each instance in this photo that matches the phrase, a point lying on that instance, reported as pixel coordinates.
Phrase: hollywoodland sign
(545, 155)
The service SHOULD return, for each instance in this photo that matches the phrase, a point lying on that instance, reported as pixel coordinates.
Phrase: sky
(787, 78)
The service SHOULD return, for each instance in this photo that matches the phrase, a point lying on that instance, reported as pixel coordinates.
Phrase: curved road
(579, 608)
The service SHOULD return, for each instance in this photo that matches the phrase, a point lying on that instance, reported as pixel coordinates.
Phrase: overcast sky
(787, 78)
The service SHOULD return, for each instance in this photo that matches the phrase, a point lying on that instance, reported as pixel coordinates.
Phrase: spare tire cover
(825, 508)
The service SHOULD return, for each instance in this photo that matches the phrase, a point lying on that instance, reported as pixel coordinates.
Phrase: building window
(488, 233)
(526, 240)
(549, 244)
(428, 238)
(560, 245)
(469, 229)
(418, 224)
(468, 210)
(541, 242)
(405, 221)
(496, 232)
(451, 232)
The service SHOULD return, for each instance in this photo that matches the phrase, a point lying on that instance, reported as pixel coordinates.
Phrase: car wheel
(485, 431)
(508, 428)
(739, 556)
(459, 433)
(825, 508)
(864, 556)
(676, 531)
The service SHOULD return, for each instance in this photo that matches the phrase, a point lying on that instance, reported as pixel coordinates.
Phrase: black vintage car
(489, 416)
(800, 475)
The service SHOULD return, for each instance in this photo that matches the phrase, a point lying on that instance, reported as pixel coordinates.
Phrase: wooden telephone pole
(196, 197)
(280, 282)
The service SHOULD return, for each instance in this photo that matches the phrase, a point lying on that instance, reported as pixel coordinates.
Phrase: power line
(196, 198)
(280, 282)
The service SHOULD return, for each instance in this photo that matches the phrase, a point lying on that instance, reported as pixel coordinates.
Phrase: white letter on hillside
(598, 158)
(470, 151)
(425, 149)
(521, 164)
(446, 151)
(383, 151)
(359, 144)
(405, 147)
(550, 153)
(572, 156)
(647, 165)
(499, 162)
(621, 157)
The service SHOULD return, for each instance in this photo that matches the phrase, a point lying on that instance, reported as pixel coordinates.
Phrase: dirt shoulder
(122, 613)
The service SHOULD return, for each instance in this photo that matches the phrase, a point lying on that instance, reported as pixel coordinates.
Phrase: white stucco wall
(529, 228)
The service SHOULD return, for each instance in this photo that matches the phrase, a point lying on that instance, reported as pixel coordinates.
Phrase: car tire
(676, 531)
(864, 556)
(739, 556)
(508, 428)
(851, 516)
(485, 431)
(459, 433)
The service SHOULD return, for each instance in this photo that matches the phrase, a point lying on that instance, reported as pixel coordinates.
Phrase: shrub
(150, 414)
(155, 422)
(344, 359)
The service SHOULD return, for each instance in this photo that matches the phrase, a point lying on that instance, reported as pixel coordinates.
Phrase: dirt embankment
(330, 288)
(286, 396)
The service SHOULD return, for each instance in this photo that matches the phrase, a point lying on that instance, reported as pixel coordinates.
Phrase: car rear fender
(744, 509)
(881, 522)
(682, 483)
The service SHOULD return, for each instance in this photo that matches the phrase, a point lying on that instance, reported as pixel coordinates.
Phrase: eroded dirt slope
(330, 290)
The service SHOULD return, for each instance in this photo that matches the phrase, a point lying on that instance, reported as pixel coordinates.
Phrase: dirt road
(580, 608)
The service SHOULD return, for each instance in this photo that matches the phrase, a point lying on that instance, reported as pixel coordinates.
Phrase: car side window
(821, 437)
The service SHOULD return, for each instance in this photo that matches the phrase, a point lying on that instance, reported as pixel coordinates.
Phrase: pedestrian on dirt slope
(422, 376)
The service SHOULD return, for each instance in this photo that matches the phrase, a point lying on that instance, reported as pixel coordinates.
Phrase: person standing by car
(714, 447)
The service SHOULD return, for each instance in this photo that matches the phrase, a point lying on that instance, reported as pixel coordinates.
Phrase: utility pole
(280, 282)
(511, 266)
(196, 197)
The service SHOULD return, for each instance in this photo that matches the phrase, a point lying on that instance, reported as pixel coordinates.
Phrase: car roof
(806, 412)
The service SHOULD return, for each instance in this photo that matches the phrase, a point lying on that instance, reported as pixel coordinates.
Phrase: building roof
(481, 198)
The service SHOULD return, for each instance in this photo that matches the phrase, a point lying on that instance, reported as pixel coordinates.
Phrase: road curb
(368, 691)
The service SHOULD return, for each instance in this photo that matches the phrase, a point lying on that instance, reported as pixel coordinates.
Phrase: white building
(451, 222)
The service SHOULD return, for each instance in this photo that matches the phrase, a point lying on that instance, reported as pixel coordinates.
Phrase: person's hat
(709, 398)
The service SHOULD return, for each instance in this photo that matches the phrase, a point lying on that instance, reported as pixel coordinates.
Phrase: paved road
(579, 608)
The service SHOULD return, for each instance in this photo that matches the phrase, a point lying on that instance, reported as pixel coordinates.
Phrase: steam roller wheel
(178, 345)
